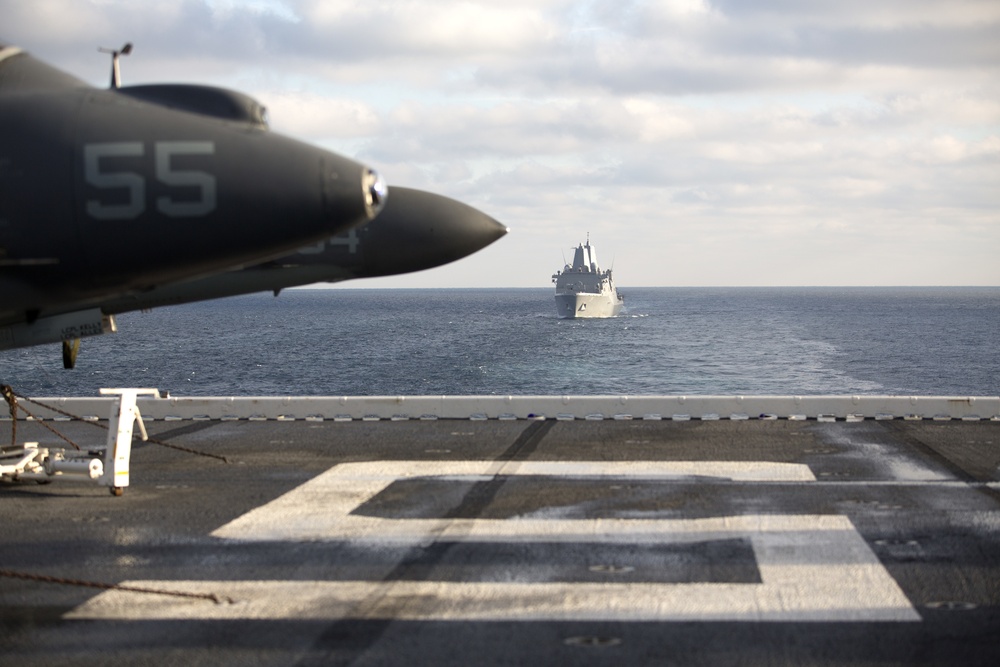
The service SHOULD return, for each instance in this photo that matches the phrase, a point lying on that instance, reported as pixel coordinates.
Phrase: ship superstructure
(583, 290)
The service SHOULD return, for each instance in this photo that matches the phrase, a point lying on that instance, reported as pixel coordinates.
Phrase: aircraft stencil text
(133, 184)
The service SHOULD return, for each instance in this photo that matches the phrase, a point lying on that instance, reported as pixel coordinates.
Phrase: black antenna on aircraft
(116, 74)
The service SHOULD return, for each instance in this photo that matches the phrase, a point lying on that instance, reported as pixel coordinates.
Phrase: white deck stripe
(855, 594)
(812, 568)
(343, 488)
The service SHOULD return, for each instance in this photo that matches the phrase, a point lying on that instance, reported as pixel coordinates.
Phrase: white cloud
(319, 117)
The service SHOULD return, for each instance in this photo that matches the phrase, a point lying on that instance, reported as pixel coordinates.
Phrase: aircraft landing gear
(70, 348)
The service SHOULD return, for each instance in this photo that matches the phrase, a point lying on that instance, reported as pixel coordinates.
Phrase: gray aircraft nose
(419, 230)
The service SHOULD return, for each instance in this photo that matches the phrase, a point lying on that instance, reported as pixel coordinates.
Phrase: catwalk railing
(373, 408)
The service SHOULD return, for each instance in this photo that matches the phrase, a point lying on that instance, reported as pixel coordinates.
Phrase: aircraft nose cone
(419, 230)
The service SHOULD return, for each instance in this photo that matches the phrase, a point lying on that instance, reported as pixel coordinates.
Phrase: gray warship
(583, 290)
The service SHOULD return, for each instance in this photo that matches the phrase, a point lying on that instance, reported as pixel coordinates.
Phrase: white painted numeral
(813, 568)
(205, 182)
(135, 183)
(349, 239)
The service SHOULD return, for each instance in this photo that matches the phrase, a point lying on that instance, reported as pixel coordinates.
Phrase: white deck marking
(812, 567)
(339, 491)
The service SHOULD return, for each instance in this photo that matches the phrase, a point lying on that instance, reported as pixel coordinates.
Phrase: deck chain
(8, 394)
(112, 587)
(12, 397)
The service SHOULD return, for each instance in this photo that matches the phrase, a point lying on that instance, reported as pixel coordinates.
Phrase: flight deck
(545, 530)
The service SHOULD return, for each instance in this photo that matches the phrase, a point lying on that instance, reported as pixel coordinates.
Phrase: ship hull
(578, 306)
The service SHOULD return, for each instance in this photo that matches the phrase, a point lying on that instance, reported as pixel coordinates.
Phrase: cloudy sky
(698, 142)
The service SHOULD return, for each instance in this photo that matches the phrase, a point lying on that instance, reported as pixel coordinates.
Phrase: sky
(697, 142)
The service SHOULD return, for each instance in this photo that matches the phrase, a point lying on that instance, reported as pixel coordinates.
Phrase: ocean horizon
(509, 341)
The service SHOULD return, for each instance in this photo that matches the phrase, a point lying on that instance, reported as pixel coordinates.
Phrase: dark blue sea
(323, 342)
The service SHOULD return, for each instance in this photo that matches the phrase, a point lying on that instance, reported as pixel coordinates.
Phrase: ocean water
(322, 342)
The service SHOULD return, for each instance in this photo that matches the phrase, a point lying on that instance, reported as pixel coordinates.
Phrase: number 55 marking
(135, 184)
(205, 203)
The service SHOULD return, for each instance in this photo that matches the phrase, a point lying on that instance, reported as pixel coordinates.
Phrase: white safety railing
(372, 408)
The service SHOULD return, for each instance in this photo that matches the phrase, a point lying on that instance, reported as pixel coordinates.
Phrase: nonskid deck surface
(515, 541)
